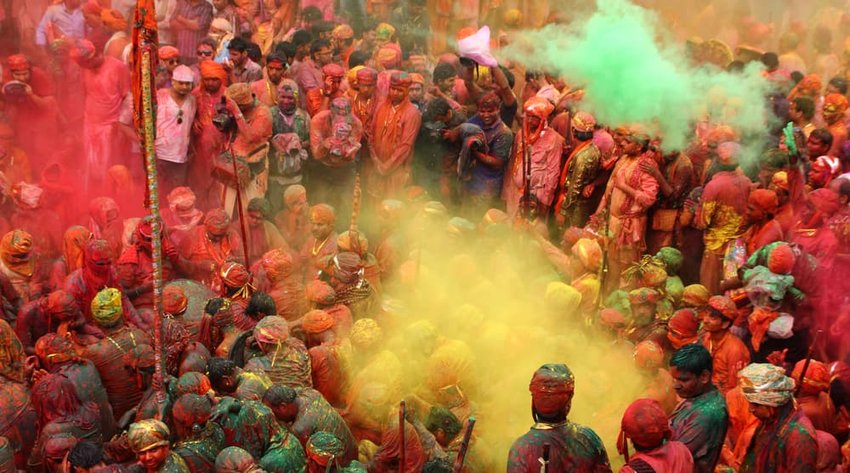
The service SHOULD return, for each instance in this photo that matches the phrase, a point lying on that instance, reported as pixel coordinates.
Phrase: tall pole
(145, 46)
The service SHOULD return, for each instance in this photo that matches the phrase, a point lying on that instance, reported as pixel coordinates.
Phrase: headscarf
(278, 265)
(212, 70)
(235, 460)
(684, 326)
(18, 62)
(583, 122)
(73, 242)
(168, 52)
(695, 295)
(317, 321)
(589, 253)
(271, 330)
(322, 213)
(320, 293)
(552, 387)
(106, 308)
(11, 354)
(648, 355)
(365, 333)
(645, 422)
(16, 252)
(147, 434)
(766, 384)
(192, 410)
(97, 251)
(764, 199)
(174, 300)
(324, 447)
(816, 380)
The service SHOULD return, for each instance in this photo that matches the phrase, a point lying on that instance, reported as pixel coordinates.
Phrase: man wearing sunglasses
(176, 112)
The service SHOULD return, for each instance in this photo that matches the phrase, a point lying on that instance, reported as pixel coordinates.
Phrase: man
(32, 108)
(785, 440)
(328, 356)
(293, 220)
(176, 108)
(488, 178)
(305, 412)
(834, 108)
(209, 246)
(309, 73)
(700, 420)
(108, 353)
(208, 142)
(322, 243)
(435, 162)
(728, 353)
(343, 43)
(417, 91)
(244, 69)
(822, 171)
(262, 234)
(644, 324)
(285, 284)
(198, 439)
(135, 266)
(762, 205)
(363, 103)
(265, 89)
(62, 20)
(674, 182)
(573, 447)
(801, 112)
(544, 147)
(45, 315)
(579, 172)
(182, 216)
(189, 24)
(335, 143)
(722, 213)
(346, 273)
(320, 98)
(394, 134)
(169, 59)
(645, 424)
(285, 359)
(85, 456)
(254, 129)
(286, 162)
(301, 41)
(323, 450)
(150, 440)
(444, 78)
(106, 82)
(630, 193)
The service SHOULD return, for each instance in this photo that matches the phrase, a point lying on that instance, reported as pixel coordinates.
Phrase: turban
(644, 295)
(551, 387)
(645, 423)
(400, 80)
(92, 7)
(561, 298)
(333, 70)
(589, 253)
(780, 180)
(16, 252)
(672, 259)
(181, 199)
(322, 213)
(18, 62)
(764, 199)
(384, 31)
(193, 383)
(766, 384)
(343, 32)
(55, 349)
(727, 153)
(271, 330)
(62, 304)
(174, 300)
(183, 74)
(235, 275)
(538, 107)
(317, 321)
(113, 19)
(810, 85)
(222, 24)
(140, 357)
(147, 434)
(583, 122)
(323, 447)
(168, 52)
(825, 201)
(389, 56)
(320, 292)
(83, 50)
(817, 377)
(347, 267)
(106, 308)
(192, 409)
(365, 333)
(293, 193)
(723, 306)
(277, 264)
(648, 355)
(240, 93)
(682, 328)
(720, 133)
(351, 75)
(345, 243)
(212, 70)
(612, 318)
(781, 259)
(695, 295)
(235, 460)
(217, 221)
(834, 104)
(417, 78)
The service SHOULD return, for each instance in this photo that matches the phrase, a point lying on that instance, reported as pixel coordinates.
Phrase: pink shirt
(173, 126)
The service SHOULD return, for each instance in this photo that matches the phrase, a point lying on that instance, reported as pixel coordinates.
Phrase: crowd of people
(505, 222)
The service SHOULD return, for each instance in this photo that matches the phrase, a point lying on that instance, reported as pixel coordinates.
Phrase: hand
(777, 357)
(38, 374)
(231, 107)
(649, 169)
(451, 134)
(587, 191)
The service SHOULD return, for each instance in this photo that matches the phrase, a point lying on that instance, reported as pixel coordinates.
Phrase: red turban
(781, 259)
(235, 275)
(61, 304)
(367, 76)
(277, 265)
(320, 293)
(682, 328)
(764, 199)
(816, 379)
(168, 52)
(333, 70)
(552, 387)
(645, 423)
(400, 80)
(317, 321)
(724, 306)
(18, 62)
(389, 56)
(55, 349)
(174, 300)
(213, 70)
(825, 201)
(538, 107)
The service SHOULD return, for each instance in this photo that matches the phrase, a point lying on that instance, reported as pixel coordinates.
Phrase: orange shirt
(729, 356)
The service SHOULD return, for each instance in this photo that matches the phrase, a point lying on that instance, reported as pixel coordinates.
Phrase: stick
(236, 185)
(807, 363)
(402, 410)
(464, 446)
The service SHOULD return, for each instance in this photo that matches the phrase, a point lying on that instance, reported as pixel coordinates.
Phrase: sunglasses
(180, 117)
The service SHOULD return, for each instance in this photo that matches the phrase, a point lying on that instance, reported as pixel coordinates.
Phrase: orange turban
(764, 199)
(816, 379)
(213, 70)
(277, 265)
(834, 104)
(168, 52)
(589, 253)
(781, 259)
(648, 355)
(389, 56)
(16, 252)
(317, 321)
(114, 20)
(538, 107)
(417, 78)
(320, 293)
(695, 295)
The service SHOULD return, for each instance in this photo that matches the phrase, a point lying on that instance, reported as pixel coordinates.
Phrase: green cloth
(285, 455)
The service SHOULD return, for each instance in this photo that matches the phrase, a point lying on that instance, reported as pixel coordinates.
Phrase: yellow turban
(106, 306)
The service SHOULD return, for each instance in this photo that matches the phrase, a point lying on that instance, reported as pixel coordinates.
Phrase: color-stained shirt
(723, 210)
(728, 356)
(285, 455)
(173, 127)
(785, 445)
(700, 423)
(574, 448)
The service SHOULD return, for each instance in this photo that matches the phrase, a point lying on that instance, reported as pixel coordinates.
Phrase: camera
(223, 120)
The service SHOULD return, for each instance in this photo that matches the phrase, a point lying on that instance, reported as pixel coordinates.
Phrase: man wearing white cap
(176, 113)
